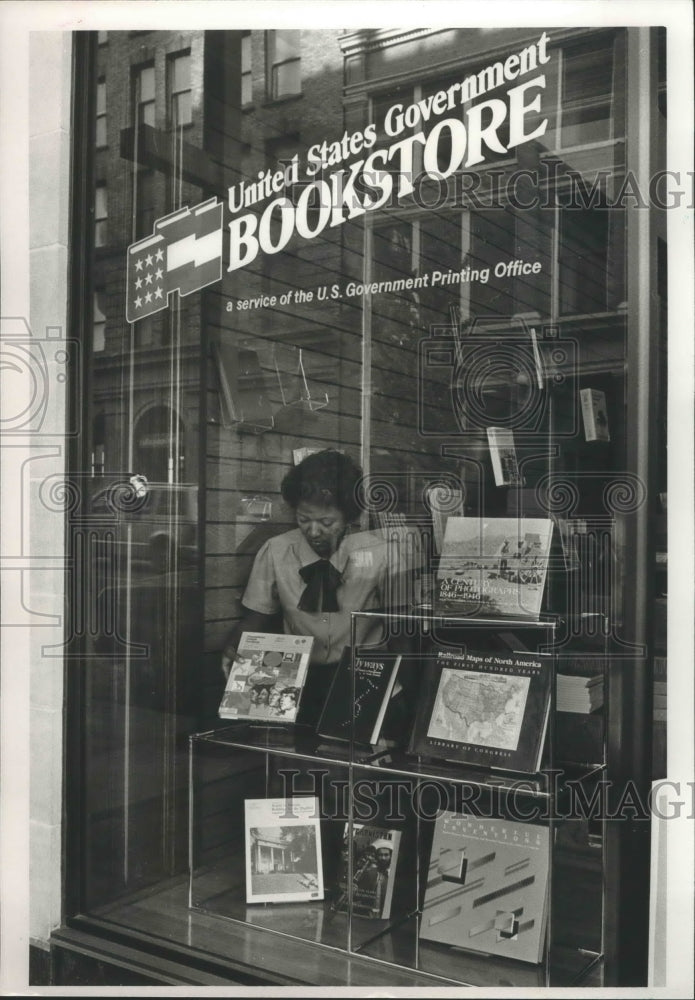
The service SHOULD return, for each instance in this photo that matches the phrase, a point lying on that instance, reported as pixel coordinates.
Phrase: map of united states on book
(486, 710)
(183, 254)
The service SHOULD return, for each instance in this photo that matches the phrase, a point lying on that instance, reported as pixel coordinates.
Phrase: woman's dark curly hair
(326, 477)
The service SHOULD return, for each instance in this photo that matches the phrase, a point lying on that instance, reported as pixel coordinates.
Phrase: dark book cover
(485, 709)
(374, 860)
(375, 677)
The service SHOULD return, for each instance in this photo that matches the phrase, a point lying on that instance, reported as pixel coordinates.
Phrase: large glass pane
(247, 307)
(141, 686)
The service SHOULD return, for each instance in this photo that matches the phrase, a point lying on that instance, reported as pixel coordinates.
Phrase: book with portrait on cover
(374, 860)
(266, 678)
(487, 886)
(375, 677)
(493, 567)
(484, 709)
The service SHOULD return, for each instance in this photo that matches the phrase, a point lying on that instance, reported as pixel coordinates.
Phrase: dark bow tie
(322, 580)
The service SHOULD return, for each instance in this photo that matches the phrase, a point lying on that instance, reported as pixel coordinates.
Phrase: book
(484, 709)
(267, 677)
(443, 502)
(375, 677)
(503, 456)
(493, 567)
(283, 850)
(487, 885)
(594, 415)
(299, 454)
(579, 694)
(374, 860)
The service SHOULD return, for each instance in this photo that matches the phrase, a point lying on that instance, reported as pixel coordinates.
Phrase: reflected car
(160, 526)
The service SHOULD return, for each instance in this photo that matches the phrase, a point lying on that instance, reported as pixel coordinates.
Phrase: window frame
(272, 65)
(101, 115)
(101, 218)
(173, 93)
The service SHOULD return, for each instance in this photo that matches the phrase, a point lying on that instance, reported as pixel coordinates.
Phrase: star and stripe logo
(183, 254)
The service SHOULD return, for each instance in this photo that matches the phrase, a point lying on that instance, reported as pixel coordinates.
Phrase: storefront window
(249, 306)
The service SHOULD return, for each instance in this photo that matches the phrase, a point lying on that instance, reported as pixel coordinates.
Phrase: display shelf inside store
(401, 947)
(289, 741)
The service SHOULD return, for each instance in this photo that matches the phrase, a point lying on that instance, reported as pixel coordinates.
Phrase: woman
(318, 573)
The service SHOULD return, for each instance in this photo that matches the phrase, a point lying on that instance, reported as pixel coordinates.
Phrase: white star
(138, 265)
(148, 259)
(160, 254)
(148, 297)
(138, 302)
(138, 283)
(158, 293)
(148, 279)
(158, 273)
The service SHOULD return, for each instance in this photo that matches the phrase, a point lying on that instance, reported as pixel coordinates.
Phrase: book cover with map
(267, 677)
(493, 567)
(485, 709)
(375, 677)
(487, 886)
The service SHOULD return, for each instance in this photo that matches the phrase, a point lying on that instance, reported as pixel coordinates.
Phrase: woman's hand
(228, 654)
(252, 621)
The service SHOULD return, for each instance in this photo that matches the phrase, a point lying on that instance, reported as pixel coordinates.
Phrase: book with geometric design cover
(375, 676)
(493, 567)
(487, 886)
(266, 678)
(485, 709)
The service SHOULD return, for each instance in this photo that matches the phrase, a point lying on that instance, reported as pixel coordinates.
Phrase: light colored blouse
(275, 585)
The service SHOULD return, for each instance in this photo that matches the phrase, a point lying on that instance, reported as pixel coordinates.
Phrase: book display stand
(414, 854)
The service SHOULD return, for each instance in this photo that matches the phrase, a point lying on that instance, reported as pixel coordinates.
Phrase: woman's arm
(251, 621)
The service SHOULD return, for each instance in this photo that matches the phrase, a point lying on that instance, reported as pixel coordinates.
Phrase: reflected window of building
(100, 215)
(180, 98)
(584, 257)
(101, 114)
(283, 61)
(144, 96)
(99, 322)
(587, 89)
(246, 76)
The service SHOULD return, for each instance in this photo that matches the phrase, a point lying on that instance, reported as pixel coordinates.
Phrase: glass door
(139, 484)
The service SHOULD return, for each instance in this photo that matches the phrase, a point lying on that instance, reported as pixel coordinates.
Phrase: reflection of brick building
(169, 133)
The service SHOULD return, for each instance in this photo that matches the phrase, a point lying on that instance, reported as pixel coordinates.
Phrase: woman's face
(322, 526)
